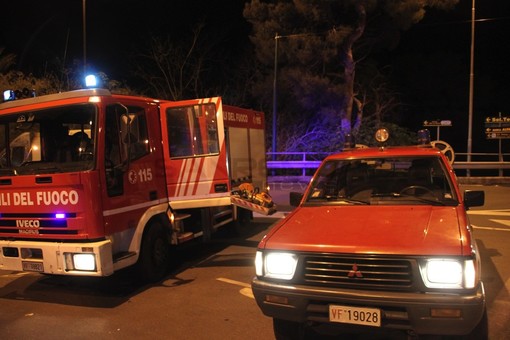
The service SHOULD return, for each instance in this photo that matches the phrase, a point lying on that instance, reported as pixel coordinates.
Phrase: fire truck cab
(92, 182)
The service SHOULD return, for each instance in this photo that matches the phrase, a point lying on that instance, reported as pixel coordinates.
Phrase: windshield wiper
(346, 200)
(413, 197)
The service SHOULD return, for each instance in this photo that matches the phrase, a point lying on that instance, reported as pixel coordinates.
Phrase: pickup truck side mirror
(474, 198)
(295, 198)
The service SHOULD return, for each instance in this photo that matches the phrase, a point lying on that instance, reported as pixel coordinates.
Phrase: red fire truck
(92, 182)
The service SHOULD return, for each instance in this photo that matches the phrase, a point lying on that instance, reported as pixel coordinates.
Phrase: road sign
(497, 127)
(437, 122)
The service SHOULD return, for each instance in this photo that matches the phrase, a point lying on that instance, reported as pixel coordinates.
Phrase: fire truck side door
(133, 175)
(194, 151)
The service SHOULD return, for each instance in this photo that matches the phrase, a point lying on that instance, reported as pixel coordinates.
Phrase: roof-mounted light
(349, 142)
(10, 95)
(382, 135)
(424, 137)
(91, 81)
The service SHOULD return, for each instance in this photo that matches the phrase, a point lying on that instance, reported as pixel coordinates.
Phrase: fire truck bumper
(57, 258)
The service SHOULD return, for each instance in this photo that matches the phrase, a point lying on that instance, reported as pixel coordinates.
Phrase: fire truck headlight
(449, 273)
(80, 261)
(276, 265)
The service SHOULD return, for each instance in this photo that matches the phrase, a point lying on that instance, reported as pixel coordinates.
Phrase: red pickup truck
(379, 241)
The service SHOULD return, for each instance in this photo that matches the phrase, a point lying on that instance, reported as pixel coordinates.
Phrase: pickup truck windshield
(59, 139)
(395, 180)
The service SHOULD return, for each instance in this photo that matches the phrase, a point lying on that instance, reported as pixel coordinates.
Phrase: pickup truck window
(395, 180)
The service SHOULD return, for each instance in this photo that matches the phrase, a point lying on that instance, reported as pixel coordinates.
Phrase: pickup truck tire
(287, 330)
(154, 259)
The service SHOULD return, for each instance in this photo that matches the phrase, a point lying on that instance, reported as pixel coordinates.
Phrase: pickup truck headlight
(449, 273)
(275, 265)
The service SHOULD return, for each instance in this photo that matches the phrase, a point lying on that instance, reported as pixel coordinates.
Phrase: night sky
(40, 31)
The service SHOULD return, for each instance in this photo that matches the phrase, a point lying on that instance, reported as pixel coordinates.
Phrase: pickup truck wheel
(287, 330)
(154, 257)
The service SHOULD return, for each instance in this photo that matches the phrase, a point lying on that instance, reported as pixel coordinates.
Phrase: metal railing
(303, 164)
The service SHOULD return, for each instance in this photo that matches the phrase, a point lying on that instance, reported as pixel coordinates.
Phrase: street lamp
(274, 148)
(471, 85)
(84, 6)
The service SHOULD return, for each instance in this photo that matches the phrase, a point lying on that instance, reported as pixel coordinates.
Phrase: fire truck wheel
(154, 254)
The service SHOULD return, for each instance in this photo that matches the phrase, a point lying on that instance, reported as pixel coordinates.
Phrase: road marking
(278, 214)
(503, 222)
(499, 212)
(16, 274)
(490, 228)
(246, 290)
(234, 282)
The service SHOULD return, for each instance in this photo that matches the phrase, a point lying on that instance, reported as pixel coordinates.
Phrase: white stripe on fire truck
(135, 207)
(184, 172)
(197, 176)
(189, 177)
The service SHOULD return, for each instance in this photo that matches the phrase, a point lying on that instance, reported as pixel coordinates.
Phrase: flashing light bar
(10, 95)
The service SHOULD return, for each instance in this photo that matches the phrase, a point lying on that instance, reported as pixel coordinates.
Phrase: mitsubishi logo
(354, 272)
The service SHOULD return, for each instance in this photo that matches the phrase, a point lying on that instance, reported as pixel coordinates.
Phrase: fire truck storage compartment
(246, 146)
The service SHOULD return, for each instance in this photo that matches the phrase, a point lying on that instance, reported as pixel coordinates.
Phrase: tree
(321, 45)
(6, 60)
(196, 65)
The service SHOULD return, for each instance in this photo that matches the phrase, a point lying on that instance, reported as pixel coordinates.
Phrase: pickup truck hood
(396, 230)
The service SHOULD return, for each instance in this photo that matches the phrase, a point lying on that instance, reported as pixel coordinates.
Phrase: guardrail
(303, 164)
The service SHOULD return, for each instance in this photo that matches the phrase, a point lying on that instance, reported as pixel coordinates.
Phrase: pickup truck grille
(358, 272)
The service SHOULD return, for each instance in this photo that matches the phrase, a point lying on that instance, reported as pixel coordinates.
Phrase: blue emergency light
(10, 95)
(90, 81)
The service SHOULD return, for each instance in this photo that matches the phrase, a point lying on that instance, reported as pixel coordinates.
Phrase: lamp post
(84, 19)
(274, 148)
(471, 85)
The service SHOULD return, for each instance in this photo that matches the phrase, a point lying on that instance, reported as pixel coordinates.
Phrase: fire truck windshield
(58, 139)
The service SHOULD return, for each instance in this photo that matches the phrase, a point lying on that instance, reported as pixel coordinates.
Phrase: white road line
(499, 212)
(234, 282)
(491, 228)
(503, 222)
(16, 274)
(246, 290)
(278, 214)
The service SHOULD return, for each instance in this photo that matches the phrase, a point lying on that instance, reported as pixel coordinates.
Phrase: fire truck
(92, 182)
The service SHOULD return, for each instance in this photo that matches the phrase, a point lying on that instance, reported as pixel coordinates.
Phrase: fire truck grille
(35, 223)
(358, 272)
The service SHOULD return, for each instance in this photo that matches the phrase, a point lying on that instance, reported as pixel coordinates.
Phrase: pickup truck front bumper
(399, 310)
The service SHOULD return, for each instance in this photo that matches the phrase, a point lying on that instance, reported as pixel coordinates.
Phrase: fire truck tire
(154, 259)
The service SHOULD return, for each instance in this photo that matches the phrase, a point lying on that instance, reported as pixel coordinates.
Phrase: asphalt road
(207, 294)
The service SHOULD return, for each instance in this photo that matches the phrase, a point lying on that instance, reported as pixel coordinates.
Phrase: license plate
(355, 315)
(32, 266)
